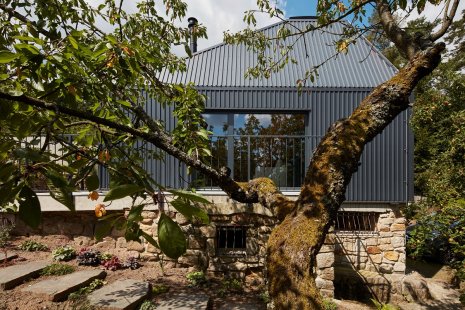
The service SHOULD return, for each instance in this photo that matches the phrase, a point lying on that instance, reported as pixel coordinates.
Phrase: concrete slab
(58, 289)
(9, 256)
(184, 301)
(17, 274)
(243, 306)
(122, 294)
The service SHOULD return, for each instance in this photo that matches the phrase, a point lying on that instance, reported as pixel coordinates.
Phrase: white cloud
(433, 12)
(221, 15)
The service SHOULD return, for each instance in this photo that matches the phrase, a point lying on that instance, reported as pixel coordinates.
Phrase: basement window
(356, 221)
(231, 240)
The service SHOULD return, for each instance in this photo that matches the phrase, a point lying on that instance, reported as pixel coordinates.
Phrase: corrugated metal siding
(225, 65)
(385, 173)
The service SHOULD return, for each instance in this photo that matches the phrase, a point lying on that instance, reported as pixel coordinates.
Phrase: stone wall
(381, 251)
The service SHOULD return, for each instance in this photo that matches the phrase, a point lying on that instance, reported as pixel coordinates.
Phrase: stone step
(184, 301)
(17, 274)
(9, 256)
(58, 289)
(122, 294)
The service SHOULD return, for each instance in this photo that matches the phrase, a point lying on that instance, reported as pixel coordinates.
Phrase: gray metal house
(266, 127)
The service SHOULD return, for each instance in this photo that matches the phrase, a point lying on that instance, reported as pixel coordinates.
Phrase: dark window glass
(231, 237)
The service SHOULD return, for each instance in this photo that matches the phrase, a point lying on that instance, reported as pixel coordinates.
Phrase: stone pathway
(59, 289)
(184, 301)
(122, 294)
(17, 274)
(9, 256)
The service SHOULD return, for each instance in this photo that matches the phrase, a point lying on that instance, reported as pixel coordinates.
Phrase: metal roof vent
(192, 22)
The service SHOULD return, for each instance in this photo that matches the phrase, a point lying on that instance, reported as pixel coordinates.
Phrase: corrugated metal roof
(224, 65)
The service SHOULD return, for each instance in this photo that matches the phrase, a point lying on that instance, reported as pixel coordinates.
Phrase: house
(269, 127)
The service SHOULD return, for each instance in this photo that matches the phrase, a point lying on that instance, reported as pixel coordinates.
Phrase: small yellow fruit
(100, 210)
(93, 195)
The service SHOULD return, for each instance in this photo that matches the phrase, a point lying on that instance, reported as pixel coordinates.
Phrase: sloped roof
(224, 65)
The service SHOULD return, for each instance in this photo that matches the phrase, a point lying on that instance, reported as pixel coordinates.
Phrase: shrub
(232, 285)
(196, 278)
(112, 264)
(132, 263)
(88, 257)
(32, 246)
(5, 231)
(147, 305)
(64, 253)
(57, 270)
(265, 297)
(329, 304)
(159, 289)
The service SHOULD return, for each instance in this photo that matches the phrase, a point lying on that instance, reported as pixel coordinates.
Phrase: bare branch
(446, 20)
(402, 40)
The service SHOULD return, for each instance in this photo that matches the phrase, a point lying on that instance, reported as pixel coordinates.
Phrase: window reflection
(263, 145)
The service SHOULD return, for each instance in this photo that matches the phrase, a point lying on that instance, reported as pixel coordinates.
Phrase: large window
(258, 145)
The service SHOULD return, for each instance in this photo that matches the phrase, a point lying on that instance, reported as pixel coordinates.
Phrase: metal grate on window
(356, 221)
(231, 238)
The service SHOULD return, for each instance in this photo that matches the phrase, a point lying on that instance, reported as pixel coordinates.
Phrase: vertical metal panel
(385, 167)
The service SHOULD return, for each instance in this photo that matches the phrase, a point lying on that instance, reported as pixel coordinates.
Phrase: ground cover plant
(64, 253)
(32, 246)
(57, 270)
(88, 257)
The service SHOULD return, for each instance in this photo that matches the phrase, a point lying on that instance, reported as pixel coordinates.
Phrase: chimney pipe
(192, 22)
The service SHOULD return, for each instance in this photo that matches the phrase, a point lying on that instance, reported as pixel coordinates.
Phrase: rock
(121, 243)
(208, 231)
(392, 256)
(398, 242)
(397, 227)
(122, 294)
(135, 246)
(83, 241)
(373, 250)
(181, 219)
(415, 286)
(325, 260)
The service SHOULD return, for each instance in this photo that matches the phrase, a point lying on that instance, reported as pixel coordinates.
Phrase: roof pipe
(192, 23)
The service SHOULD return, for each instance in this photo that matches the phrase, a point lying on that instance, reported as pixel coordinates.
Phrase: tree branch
(257, 190)
(446, 20)
(402, 40)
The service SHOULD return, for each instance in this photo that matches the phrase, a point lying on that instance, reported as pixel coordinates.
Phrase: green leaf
(188, 195)
(6, 170)
(92, 182)
(29, 207)
(8, 192)
(64, 195)
(149, 239)
(189, 210)
(171, 239)
(73, 42)
(122, 191)
(134, 213)
(6, 57)
(103, 229)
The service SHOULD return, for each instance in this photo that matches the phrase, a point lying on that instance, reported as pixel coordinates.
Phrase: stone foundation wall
(381, 251)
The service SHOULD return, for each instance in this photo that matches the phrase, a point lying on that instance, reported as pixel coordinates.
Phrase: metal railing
(281, 158)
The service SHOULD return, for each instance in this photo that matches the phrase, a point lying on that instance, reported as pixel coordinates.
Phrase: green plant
(5, 231)
(160, 289)
(232, 285)
(265, 297)
(196, 278)
(88, 257)
(383, 306)
(147, 305)
(32, 246)
(64, 253)
(462, 298)
(112, 264)
(106, 256)
(57, 270)
(83, 291)
(329, 304)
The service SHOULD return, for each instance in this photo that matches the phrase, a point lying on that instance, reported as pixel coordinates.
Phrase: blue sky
(300, 8)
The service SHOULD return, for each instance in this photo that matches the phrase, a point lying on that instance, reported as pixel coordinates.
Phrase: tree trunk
(294, 244)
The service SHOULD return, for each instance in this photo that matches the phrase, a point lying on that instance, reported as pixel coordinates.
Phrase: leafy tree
(65, 75)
